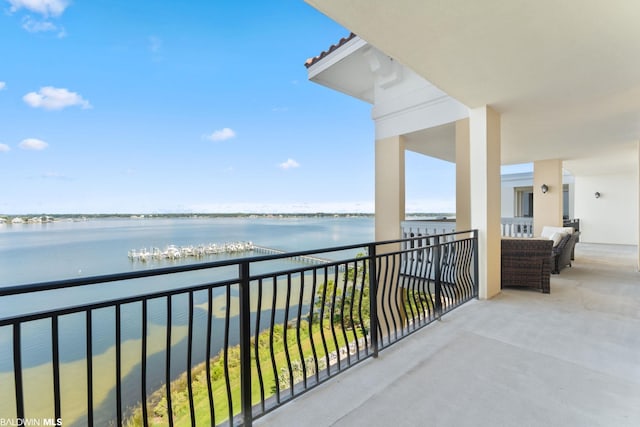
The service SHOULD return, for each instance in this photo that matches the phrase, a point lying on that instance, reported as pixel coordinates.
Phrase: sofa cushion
(557, 237)
(547, 230)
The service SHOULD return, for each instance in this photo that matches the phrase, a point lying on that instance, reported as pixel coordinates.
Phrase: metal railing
(509, 227)
(222, 342)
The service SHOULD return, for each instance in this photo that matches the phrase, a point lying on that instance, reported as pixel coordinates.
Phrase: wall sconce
(544, 188)
(597, 194)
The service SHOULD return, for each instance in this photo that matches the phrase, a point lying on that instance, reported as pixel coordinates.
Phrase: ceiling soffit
(565, 76)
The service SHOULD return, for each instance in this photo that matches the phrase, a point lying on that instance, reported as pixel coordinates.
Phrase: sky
(111, 106)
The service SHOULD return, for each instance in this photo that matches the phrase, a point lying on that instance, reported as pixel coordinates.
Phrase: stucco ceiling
(565, 75)
(438, 142)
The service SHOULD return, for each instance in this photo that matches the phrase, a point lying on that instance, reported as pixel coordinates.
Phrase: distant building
(517, 195)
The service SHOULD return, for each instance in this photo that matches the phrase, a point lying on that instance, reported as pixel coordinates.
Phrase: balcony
(570, 358)
(219, 343)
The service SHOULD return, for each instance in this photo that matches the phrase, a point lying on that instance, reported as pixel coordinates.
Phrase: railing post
(373, 299)
(475, 263)
(17, 370)
(245, 345)
(438, 273)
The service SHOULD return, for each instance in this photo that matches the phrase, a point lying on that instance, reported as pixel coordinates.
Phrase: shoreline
(9, 219)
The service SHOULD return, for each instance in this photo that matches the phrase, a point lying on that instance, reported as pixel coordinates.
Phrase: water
(53, 251)
(50, 251)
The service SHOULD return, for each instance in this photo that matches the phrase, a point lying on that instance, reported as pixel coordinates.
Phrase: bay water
(39, 252)
(31, 253)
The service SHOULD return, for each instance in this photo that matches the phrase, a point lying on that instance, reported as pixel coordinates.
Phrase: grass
(300, 349)
(157, 403)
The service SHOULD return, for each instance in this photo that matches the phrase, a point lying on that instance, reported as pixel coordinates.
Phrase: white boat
(174, 252)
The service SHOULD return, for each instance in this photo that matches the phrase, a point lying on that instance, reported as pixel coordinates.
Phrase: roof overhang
(565, 76)
(423, 114)
(345, 69)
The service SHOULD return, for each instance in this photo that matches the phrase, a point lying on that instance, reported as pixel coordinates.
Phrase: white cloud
(221, 135)
(289, 164)
(51, 98)
(4, 148)
(43, 7)
(35, 26)
(33, 144)
(3, 85)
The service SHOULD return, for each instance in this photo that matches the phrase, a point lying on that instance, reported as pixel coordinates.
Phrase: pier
(173, 252)
(307, 259)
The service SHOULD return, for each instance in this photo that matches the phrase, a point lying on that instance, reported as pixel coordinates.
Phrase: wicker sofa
(565, 239)
(526, 263)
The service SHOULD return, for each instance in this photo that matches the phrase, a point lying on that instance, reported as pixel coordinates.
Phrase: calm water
(42, 252)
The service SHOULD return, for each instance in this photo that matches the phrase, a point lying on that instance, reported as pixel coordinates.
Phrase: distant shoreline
(80, 216)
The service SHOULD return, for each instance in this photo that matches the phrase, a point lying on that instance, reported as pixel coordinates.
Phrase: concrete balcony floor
(570, 358)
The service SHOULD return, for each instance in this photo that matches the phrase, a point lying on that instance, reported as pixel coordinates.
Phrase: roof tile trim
(315, 59)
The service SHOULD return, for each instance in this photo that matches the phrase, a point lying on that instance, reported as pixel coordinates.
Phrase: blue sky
(200, 106)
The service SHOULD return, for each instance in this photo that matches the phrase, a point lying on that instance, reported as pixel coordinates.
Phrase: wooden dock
(307, 259)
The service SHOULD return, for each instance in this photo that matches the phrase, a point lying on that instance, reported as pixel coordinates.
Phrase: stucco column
(390, 188)
(547, 207)
(638, 207)
(390, 211)
(484, 172)
(463, 181)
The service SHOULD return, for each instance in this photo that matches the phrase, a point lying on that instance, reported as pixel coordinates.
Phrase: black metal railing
(222, 342)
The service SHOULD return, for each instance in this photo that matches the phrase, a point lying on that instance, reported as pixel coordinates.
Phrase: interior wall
(572, 198)
(508, 201)
(509, 183)
(613, 217)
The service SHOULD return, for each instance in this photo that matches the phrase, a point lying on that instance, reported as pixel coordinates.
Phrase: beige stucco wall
(547, 207)
(389, 188)
(613, 218)
(463, 180)
(484, 172)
